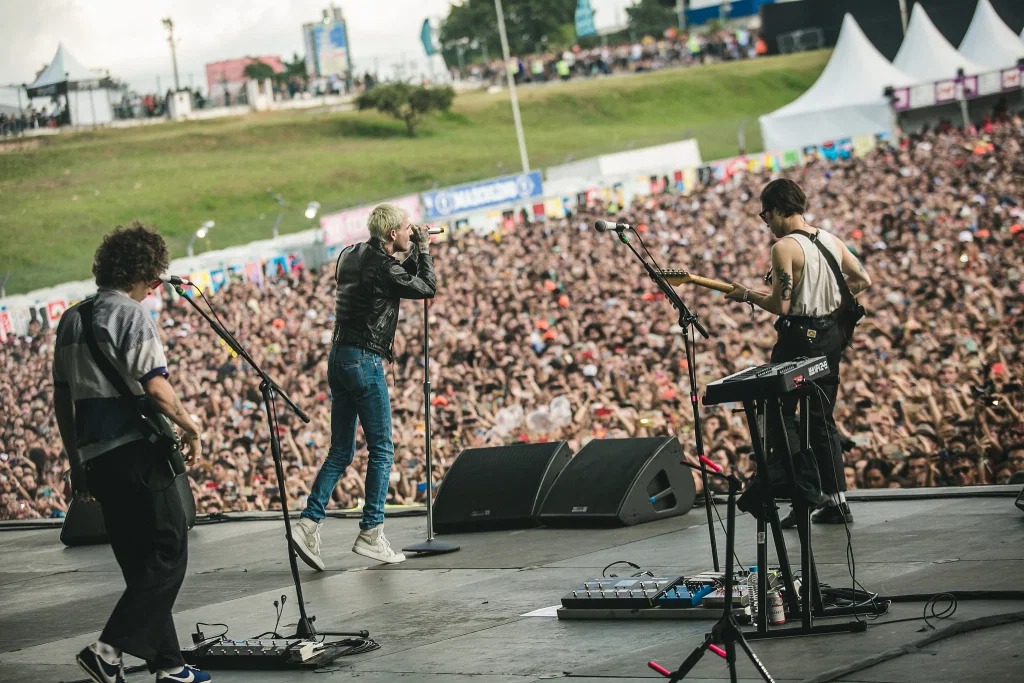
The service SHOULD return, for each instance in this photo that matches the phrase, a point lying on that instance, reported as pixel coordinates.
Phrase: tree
(406, 102)
(258, 71)
(296, 69)
(532, 25)
(651, 17)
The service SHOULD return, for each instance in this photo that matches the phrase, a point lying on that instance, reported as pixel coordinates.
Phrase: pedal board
(633, 592)
(256, 653)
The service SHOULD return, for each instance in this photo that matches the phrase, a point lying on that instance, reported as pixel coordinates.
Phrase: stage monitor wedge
(488, 489)
(621, 482)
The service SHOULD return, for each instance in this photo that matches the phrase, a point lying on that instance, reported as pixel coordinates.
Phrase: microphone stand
(304, 629)
(431, 546)
(686, 320)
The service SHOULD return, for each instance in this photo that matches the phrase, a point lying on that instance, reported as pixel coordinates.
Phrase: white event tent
(847, 99)
(88, 97)
(926, 55)
(989, 41)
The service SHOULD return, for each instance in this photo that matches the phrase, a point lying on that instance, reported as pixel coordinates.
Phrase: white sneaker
(373, 544)
(306, 542)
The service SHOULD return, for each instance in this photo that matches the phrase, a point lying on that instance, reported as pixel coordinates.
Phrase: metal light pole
(512, 88)
(280, 214)
(198, 235)
(903, 15)
(169, 25)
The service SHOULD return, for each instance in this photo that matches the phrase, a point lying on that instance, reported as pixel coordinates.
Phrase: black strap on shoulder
(844, 289)
(113, 376)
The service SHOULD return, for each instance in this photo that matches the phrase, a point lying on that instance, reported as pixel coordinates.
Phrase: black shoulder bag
(156, 428)
(850, 311)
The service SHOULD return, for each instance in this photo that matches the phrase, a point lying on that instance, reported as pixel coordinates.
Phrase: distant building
(327, 46)
(228, 77)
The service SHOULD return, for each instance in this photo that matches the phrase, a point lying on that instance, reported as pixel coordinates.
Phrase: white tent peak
(989, 41)
(856, 72)
(63, 67)
(926, 54)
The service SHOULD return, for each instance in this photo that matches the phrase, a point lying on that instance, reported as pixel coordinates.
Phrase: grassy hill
(56, 201)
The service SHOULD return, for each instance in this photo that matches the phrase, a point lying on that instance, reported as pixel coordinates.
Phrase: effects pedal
(639, 592)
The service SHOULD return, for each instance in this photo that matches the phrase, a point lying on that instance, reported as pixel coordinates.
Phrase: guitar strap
(844, 289)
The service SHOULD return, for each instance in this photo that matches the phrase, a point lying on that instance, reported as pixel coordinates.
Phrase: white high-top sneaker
(306, 541)
(373, 544)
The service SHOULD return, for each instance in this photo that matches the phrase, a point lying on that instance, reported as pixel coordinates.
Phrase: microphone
(603, 225)
(174, 280)
(435, 231)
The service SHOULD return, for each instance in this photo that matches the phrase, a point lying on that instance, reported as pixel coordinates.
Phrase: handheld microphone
(174, 280)
(435, 231)
(603, 226)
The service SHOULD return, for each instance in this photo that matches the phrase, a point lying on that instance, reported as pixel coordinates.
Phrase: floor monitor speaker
(498, 488)
(621, 482)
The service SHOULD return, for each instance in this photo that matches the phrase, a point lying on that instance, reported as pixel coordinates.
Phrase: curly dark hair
(130, 255)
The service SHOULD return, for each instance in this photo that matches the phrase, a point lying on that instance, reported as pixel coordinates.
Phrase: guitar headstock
(675, 277)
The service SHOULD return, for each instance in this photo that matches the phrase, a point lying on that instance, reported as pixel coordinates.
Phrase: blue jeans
(359, 392)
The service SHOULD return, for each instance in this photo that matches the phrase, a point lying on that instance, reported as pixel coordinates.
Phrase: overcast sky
(127, 38)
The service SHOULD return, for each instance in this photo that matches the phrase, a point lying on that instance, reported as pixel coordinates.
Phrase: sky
(127, 38)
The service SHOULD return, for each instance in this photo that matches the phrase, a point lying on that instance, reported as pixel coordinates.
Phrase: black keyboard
(765, 381)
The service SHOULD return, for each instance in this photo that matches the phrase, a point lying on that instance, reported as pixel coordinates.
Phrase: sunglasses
(961, 470)
(763, 215)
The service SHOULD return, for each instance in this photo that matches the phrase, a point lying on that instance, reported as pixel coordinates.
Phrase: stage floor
(459, 617)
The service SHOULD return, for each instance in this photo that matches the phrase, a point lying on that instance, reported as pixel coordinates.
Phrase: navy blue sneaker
(188, 674)
(98, 669)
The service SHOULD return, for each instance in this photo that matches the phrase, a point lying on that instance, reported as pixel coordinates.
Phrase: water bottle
(752, 589)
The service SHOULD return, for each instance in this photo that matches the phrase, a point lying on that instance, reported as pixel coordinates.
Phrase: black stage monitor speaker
(84, 522)
(615, 482)
(1020, 500)
(498, 488)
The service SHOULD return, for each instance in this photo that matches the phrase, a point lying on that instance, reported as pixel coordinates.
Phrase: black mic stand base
(431, 546)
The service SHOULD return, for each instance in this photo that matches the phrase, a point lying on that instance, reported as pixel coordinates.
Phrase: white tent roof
(926, 54)
(989, 41)
(856, 73)
(63, 67)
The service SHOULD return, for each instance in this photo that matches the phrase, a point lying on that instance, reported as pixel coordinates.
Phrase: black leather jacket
(370, 284)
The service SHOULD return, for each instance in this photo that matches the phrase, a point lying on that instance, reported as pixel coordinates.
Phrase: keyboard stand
(760, 413)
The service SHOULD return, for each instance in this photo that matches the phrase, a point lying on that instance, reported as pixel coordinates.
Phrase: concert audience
(552, 331)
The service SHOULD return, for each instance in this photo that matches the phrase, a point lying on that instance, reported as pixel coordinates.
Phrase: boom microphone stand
(431, 546)
(304, 629)
(686, 320)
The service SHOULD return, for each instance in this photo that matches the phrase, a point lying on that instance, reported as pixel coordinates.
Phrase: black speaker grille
(490, 486)
(599, 476)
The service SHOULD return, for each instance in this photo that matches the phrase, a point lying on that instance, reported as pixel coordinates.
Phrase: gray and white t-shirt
(127, 336)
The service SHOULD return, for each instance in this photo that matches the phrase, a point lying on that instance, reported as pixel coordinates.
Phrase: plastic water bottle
(752, 589)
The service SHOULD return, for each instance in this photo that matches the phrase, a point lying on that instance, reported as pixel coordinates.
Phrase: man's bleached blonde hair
(384, 218)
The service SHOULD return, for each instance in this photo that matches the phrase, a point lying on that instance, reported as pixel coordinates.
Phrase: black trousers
(148, 534)
(810, 337)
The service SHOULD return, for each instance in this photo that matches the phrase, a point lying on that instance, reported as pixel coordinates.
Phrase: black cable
(930, 611)
(605, 575)
(219, 635)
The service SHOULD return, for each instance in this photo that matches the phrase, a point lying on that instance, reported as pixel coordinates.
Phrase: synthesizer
(771, 380)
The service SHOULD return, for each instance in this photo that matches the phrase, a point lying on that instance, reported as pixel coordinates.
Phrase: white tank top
(817, 294)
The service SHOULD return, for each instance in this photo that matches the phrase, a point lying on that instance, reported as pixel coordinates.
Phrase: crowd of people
(647, 54)
(17, 122)
(551, 331)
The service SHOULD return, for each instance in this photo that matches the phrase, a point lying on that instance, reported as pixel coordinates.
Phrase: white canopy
(926, 54)
(847, 99)
(989, 41)
(63, 68)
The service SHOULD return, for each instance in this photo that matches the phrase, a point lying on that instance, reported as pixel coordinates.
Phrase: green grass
(58, 200)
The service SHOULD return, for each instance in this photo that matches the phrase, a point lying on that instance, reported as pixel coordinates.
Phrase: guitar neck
(679, 277)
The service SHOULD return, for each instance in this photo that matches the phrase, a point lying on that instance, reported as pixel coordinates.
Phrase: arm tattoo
(785, 286)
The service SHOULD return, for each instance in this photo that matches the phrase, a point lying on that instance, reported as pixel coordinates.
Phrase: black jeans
(811, 337)
(148, 534)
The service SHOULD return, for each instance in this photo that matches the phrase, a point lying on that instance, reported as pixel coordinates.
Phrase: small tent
(847, 99)
(88, 95)
(989, 41)
(926, 54)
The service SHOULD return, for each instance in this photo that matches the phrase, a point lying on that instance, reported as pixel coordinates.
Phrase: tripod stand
(686, 320)
(431, 546)
(304, 629)
(725, 635)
